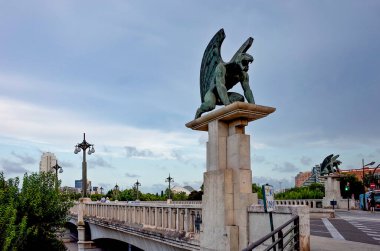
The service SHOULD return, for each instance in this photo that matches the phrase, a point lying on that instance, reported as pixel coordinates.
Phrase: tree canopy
(314, 191)
(31, 217)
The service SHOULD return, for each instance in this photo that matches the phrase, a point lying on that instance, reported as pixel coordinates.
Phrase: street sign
(372, 185)
(268, 191)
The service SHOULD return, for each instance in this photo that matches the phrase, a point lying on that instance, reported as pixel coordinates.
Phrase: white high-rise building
(48, 160)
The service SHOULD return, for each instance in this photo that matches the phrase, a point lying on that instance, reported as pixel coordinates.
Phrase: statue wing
(211, 58)
(243, 49)
(326, 162)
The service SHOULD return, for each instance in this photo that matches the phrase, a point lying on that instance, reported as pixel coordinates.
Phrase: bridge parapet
(153, 215)
(311, 203)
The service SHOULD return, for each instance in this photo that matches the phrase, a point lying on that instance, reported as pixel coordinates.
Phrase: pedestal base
(332, 191)
(228, 180)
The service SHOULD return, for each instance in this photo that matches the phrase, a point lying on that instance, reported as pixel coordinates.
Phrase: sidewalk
(328, 244)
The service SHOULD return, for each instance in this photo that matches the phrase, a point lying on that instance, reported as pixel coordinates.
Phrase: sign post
(269, 206)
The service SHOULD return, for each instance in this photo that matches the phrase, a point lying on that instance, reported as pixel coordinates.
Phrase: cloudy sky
(127, 74)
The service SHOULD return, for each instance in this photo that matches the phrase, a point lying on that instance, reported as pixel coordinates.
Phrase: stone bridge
(160, 225)
(146, 225)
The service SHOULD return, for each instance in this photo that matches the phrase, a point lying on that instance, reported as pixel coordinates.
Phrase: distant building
(69, 189)
(178, 189)
(359, 172)
(301, 178)
(48, 160)
(78, 186)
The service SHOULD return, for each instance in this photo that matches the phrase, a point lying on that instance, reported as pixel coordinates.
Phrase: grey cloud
(258, 159)
(99, 162)
(25, 159)
(305, 160)
(285, 168)
(12, 167)
(179, 157)
(131, 175)
(155, 188)
(64, 164)
(105, 149)
(202, 140)
(132, 151)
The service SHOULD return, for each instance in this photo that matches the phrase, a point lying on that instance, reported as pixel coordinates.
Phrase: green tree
(257, 189)
(314, 191)
(355, 186)
(31, 217)
(195, 195)
(371, 178)
(179, 196)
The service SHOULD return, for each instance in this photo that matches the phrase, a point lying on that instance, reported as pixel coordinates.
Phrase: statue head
(243, 60)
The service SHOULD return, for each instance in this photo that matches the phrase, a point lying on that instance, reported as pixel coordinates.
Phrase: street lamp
(57, 167)
(83, 146)
(101, 190)
(116, 190)
(137, 184)
(169, 179)
(369, 164)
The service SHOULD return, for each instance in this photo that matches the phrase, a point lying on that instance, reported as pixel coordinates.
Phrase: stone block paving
(318, 228)
(357, 226)
(353, 233)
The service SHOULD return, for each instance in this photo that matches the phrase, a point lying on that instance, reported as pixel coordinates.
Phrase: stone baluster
(170, 218)
(176, 213)
(156, 217)
(186, 220)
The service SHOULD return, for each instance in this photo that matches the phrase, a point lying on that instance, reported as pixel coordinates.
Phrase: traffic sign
(372, 185)
(269, 205)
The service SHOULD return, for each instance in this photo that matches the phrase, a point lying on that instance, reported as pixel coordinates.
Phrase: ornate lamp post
(137, 184)
(116, 191)
(83, 146)
(369, 164)
(57, 167)
(169, 179)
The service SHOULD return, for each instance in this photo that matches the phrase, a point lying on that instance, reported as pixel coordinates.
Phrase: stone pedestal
(332, 190)
(228, 179)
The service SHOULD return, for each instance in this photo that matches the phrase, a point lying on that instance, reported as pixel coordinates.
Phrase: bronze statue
(217, 77)
(330, 164)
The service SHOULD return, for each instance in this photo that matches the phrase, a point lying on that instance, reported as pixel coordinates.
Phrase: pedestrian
(198, 222)
(372, 201)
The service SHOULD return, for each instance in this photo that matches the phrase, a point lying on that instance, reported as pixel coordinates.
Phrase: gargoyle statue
(330, 164)
(217, 77)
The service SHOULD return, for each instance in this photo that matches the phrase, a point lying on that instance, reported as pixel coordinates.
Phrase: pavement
(350, 230)
(318, 243)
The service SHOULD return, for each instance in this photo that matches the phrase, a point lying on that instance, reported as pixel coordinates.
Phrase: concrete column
(228, 179)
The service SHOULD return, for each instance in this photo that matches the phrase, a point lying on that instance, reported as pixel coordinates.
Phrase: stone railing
(311, 203)
(159, 215)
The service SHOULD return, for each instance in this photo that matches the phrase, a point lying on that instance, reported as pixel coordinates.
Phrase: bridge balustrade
(160, 215)
(311, 203)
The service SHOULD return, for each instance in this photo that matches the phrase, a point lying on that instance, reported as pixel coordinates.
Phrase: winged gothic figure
(330, 164)
(217, 76)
